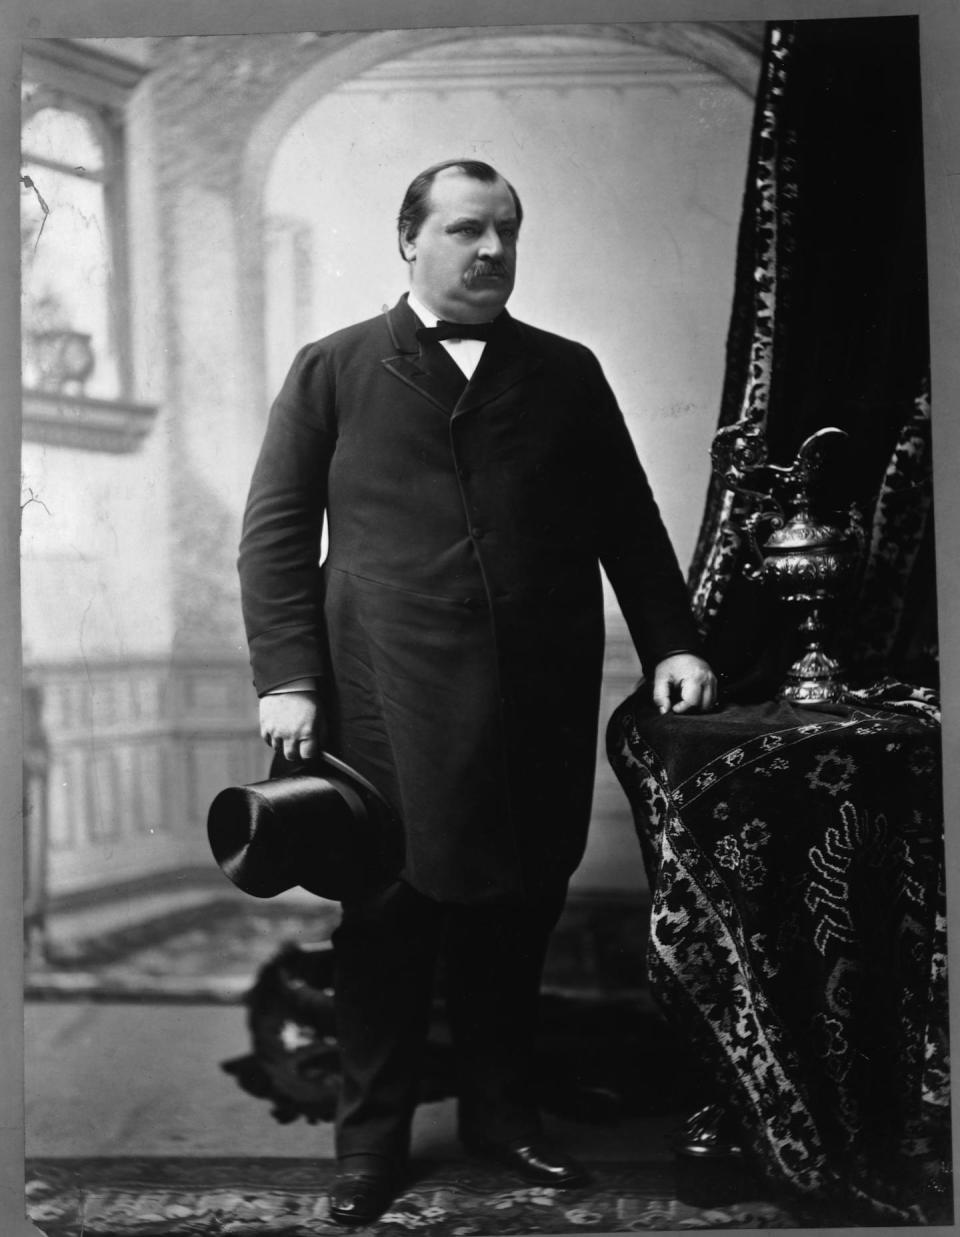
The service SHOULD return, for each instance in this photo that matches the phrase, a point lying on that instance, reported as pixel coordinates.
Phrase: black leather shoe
(710, 1132)
(535, 1160)
(361, 1198)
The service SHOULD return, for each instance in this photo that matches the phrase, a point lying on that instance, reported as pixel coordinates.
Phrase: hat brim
(323, 827)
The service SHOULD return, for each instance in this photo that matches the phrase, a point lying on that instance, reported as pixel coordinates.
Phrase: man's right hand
(290, 722)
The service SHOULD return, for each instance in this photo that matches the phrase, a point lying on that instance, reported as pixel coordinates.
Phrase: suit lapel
(435, 375)
(429, 370)
(504, 363)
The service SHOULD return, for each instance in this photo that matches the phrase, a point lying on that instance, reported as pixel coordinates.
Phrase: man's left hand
(684, 683)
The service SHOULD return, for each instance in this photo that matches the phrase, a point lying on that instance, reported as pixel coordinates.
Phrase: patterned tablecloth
(798, 931)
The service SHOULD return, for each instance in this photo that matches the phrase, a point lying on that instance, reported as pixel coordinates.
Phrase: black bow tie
(455, 330)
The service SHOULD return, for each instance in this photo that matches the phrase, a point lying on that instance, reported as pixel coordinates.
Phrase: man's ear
(408, 248)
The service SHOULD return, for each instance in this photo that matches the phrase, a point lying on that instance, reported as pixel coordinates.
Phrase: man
(473, 479)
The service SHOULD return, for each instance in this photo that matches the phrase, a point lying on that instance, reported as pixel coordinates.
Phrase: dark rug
(178, 1197)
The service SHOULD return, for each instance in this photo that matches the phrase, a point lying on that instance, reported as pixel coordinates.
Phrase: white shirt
(466, 352)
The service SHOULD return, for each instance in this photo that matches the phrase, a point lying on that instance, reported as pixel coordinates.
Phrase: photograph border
(24, 19)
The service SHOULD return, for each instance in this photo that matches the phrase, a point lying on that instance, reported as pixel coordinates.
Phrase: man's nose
(491, 244)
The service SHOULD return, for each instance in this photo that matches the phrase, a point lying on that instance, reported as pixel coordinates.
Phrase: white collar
(465, 353)
(424, 314)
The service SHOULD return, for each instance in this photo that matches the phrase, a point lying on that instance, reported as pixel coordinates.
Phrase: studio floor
(146, 1079)
(134, 1129)
(137, 1127)
(128, 1026)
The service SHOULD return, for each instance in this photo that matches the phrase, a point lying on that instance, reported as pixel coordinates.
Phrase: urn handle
(757, 527)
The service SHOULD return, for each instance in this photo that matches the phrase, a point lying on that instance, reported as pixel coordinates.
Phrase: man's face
(463, 260)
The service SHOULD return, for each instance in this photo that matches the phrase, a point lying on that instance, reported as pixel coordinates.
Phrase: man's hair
(416, 201)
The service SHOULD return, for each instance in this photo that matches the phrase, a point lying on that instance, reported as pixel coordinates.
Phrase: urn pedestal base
(814, 678)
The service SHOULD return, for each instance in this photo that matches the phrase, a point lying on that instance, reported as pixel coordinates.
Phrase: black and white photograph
(481, 600)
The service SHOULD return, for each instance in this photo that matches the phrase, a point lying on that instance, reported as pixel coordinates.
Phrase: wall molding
(561, 62)
(75, 65)
(137, 750)
(86, 424)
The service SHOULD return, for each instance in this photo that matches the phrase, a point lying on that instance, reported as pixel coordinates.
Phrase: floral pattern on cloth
(795, 858)
(287, 1198)
(750, 347)
(900, 527)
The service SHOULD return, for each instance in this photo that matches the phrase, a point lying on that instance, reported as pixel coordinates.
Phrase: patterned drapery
(829, 327)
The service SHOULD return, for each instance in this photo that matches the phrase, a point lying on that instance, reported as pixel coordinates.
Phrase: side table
(798, 931)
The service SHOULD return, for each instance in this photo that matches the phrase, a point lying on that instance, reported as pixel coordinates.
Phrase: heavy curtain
(829, 327)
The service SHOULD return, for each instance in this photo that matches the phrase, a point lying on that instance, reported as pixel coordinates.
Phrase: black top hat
(322, 826)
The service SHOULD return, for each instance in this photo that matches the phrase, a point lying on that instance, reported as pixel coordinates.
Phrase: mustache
(489, 267)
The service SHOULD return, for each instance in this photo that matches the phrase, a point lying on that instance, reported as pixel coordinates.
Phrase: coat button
(463, 474)
(476, 534)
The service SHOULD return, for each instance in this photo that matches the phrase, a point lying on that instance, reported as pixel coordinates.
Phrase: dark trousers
(386, 951)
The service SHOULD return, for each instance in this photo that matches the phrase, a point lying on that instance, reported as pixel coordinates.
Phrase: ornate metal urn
(809, 557)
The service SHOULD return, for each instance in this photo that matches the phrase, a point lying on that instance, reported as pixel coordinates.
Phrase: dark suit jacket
(457, 622)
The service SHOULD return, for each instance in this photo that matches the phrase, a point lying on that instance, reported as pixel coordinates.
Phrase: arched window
(78, 380)
(72, 341)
